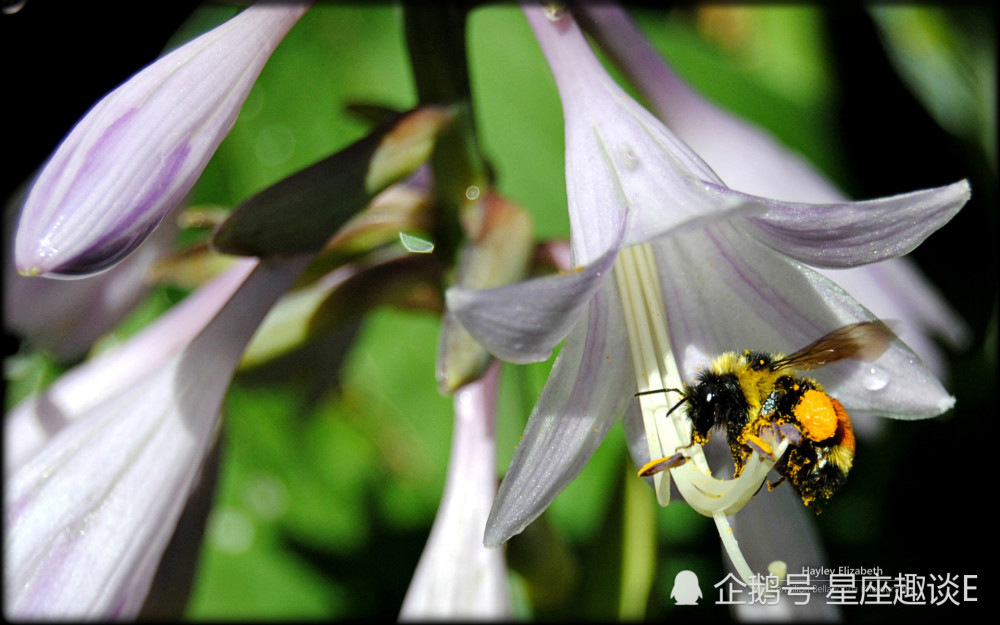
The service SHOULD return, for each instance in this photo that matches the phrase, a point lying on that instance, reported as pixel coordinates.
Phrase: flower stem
(435, 38)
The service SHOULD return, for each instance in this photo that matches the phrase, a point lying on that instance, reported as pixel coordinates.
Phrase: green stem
(435, 37)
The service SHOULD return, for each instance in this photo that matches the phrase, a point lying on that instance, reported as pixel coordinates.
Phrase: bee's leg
(688, 446)
(667, 462)
(771, 486)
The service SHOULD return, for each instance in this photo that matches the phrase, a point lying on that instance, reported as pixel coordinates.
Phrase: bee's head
(717, 399)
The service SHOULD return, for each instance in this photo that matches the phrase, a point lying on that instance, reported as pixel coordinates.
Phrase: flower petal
(618, 156)
(32, 422)
(524, 322)
(457, 576)
(86, 211)
(89, 515)
(726, 291)
(587, 390)
(858, 233)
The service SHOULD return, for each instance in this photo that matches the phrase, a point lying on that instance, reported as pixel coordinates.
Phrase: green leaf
(300, 213)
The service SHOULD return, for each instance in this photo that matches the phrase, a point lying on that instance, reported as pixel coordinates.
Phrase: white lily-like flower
(751, 160)
(103, 462)
(457, 577)
(676, 268)
(86, 211)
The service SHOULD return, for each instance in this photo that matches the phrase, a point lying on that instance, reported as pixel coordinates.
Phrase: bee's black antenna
(660, 390)
(683, 399)
(677, 405)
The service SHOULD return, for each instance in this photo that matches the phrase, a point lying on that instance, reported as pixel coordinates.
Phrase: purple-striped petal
(524, 322)
(35, 420)
(138, 152)
(88, 516)
(66, 317)
(588, 389)
(857, 233)
(727, 291)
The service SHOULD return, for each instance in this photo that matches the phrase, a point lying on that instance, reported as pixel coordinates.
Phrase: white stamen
(638, 282)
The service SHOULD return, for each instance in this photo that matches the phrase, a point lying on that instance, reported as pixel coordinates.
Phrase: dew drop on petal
(875, 379)
(629, 160)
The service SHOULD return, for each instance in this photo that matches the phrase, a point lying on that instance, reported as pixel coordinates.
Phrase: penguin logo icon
(686, 590)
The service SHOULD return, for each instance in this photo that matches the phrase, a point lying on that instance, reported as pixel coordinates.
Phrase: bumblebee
(745, 393)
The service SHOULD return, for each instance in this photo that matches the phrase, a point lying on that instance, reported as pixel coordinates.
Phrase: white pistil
(638, 282)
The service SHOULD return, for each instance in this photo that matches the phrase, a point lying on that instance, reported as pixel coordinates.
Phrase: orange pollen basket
(817, 414)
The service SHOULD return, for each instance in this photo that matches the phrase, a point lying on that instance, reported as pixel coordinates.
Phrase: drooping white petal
(588, 389)
(88, 516)
(523, 322)
(457, 576)
(857, 233)
(138, 152)
(32, 422)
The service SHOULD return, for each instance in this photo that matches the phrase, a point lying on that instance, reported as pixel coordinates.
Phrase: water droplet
(875, 379)
(629, 160)
(472, 192)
